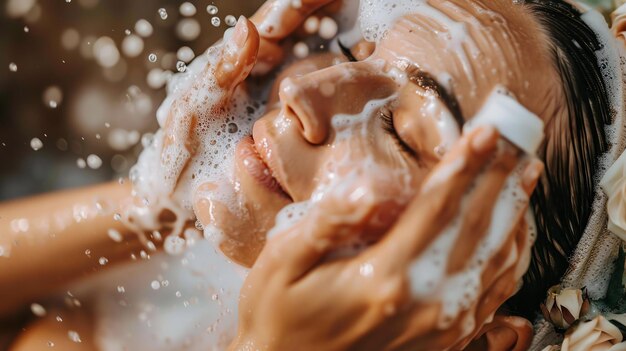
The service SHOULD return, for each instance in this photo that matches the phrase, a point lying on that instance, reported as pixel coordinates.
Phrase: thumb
(329, 221)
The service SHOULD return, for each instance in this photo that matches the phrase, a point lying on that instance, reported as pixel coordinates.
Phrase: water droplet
(88, 253)
(38, 310)
(103, 261)
(163, 13)
(12, 67)
(93, 161)
(215, 21)
(181, 66)
(115, 235)
(52, 96)
(155, 285)
(187, 9)
(230, 20)
(127, 32)
(68, 1)
(59, 319)
(36, 144)
(174, 245)
(212, 9)
(26, 29)
(73, 335)
(185, 54)
(178, 294)
(143, 28)
(214, 297)
(117, 216)
(81, 163)
(152, 57)
(50, 343)
(121, 289)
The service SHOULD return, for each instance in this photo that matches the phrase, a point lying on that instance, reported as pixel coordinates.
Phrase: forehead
(470, 46)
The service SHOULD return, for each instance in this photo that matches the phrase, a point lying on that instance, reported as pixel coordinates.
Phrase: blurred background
(80, 82)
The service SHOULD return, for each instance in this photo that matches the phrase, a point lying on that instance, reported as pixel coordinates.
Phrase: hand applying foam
(295, 299)
(207, 96)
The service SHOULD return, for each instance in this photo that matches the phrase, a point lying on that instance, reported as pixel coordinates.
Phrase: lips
(255, 165)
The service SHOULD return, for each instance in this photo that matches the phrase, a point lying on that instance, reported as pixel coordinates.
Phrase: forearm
(52, 239)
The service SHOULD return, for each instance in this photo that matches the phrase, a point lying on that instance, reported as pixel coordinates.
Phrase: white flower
(614, 186)
(563, 307)
(597, 334)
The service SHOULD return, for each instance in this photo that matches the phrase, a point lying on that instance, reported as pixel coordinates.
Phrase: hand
(294, 299)
(277, 20)
(237, 56)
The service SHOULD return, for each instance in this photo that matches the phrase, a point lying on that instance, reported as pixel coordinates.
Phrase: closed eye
(346, 52)
(386, 116)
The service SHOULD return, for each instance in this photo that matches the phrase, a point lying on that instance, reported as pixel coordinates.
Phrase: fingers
(531, 175)
(329, 222)
(438, 201)
(239, 55)
(277, 19)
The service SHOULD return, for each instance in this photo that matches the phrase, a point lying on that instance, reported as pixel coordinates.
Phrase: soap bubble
(155, 285)
(215, 21)
(74, 336)
(81, 163)
(212, 9)
(156, 78)
(152, 57)
(38, 310)
(174, 245)
(132, 45)
(106, 52)
(52, 96)
(185, 54)
(181, 66)
(188, 29)
(103, 261)
(328, 28)
(12, 67)
(143, 28)
(18, 8)
(70, 39)
(187, 9)
(301, 50)
(36, 144)
(312, 25)
(93, 161)
(232, 128)
(114, 235)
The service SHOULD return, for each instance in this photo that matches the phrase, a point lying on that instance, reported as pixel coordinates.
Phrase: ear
(504, 333)
(618, 23)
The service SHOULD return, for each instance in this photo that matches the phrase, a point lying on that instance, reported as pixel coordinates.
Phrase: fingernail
(484, 139)
(241, 32)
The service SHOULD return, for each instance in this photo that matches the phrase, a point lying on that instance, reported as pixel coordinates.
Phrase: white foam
(167, 175)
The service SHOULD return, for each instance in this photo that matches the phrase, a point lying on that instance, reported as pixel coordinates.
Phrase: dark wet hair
(574, 142)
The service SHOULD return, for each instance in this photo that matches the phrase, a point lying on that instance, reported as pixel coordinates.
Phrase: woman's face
(374, 128)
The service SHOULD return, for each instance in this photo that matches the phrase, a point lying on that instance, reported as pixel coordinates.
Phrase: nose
(316, 97)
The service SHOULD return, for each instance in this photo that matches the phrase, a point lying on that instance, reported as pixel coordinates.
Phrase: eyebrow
(425, 81)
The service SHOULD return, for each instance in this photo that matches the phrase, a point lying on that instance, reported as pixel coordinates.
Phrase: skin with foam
(321, 143)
